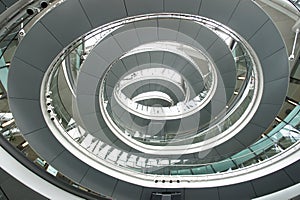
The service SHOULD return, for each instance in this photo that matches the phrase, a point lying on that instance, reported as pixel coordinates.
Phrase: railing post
(292, 56)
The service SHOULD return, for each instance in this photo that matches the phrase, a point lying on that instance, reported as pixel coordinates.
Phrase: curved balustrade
(241, 65)
(244, 91)
(282, 137)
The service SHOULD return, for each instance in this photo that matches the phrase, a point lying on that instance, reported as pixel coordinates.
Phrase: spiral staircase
(161, 99)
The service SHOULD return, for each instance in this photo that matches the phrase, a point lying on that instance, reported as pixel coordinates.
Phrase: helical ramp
(161, 99)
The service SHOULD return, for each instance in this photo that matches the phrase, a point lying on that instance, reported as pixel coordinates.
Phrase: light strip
(5, 124)
(292, 102)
